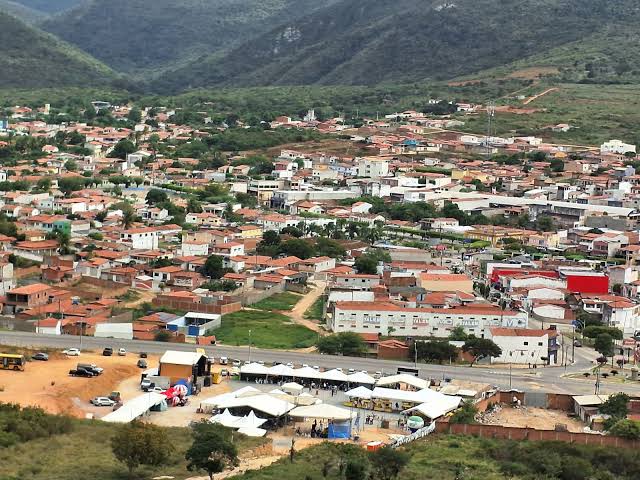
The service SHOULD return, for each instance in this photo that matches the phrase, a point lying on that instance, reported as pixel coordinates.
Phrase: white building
(617, 146)
(372, 167)
(390, 319)
(525, 346)
(144, 238)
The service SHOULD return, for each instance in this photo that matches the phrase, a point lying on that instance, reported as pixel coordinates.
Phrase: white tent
(135, 408)
(281, 371)
(293, 388)
(405, 378)
(322, 410)
(264, 403)
(334, 376)
(361, 377)
(254, 369)
(425, 395)
(226, 419)
(250, 421)
(210, 403)
(306, 399)
(253, 432)
(306, 372)
(277, 391)
(359, 392)
(437, 408)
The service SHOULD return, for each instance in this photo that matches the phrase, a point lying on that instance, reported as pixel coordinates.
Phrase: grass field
(314, 312)
(597, 112)
(280, 301)
(268, 330)
(86, 453)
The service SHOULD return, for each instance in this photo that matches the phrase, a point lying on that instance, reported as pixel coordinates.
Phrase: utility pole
(249, 345)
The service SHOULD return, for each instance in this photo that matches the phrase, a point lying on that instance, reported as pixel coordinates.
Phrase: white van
(224, 360)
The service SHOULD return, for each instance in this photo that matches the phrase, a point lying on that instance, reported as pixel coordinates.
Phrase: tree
(162, 336)
(436, 351)
(465, 414)
(481, 348)
(387, 462)
(355, 470)
(626, 429)
(135, 115)
(367, 263)
(556, 165)
(213, 267)
(71, 166)
(271, 237)
(155, 196)
(458, 334)
(592, 331)
(71, 184)
(604, 344)
(297, 247)
(345, 343)
(123, 148)
(193, 206)
(212, 449)
(128, 215)
(138, 443)
(545, 223)
(292, 231)
(617, 406)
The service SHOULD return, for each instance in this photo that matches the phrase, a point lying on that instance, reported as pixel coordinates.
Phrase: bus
(12, 361)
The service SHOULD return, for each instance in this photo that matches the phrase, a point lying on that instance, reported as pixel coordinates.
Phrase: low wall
(513, 433)
(188, 306)
(27, 272)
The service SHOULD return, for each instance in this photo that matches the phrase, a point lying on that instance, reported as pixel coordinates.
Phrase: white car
(236, 363)
(290, 365)
(122, 352)
(224, 360)
(71, 352)
(102, 402)
(145, 384)
(316, 367)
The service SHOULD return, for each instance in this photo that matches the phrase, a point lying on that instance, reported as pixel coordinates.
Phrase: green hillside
(376, 41)
(24, 13)
(30, 59)
(136, 35)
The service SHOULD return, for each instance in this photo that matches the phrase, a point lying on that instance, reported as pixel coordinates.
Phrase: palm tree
(128, 217)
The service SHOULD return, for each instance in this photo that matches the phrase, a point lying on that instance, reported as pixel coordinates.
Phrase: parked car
(115, 396)
(142, 363)
(102, 402)
(107, 352)
(145, 384)
(577, 343)
(40, 356)
(143, 354)
(236, 363)
(224, 360)
(290, 365)
(92, 367)
(122, 352)
(81, 372)
(224, 372)
(72, 352)
(351, 371)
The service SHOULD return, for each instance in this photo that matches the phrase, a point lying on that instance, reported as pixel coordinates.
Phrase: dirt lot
(538, 418)
(49, 386)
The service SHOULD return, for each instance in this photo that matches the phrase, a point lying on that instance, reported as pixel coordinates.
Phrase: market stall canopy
(405, 378)
(250, 421)
(253, 432)
(214, 402)
(281, 371)
(421, 396)
(134, 408)
(226, 419)
(361, 377)
(436, 408)
(306, 372)
(254, 369)
(264, 403)
(334, 375)
(322, 410)
(359, 392)
(292, 387)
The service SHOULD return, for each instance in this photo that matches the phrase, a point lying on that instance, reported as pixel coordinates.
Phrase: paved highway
(549, 379)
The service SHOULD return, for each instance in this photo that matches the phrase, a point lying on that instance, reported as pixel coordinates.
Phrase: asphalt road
(550, 379)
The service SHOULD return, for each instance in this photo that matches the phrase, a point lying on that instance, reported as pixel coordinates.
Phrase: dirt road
(297, 314)
(144, 296)
(541, 94)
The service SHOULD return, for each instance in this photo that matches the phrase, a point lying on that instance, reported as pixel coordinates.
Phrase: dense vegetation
(133, 35)
(374, 41)
(33, 59)
(23, 12)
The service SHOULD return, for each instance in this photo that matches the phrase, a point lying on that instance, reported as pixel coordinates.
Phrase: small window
(526, 343)
(539, 344)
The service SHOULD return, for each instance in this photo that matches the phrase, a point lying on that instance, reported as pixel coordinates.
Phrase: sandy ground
(49, 386)
(531, 417)
(298, 311)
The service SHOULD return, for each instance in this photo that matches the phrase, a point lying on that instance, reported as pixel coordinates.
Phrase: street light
(249, 345)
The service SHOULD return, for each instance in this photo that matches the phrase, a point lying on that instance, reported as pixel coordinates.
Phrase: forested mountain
(30, 58)
(134, 35)
(24, 13)
(374, 41)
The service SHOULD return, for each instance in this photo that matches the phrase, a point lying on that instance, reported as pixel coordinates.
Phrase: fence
(189, 306)
(418, 434)
(530, 434)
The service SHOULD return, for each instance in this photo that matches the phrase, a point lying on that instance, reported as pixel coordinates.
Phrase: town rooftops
(30, 289)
